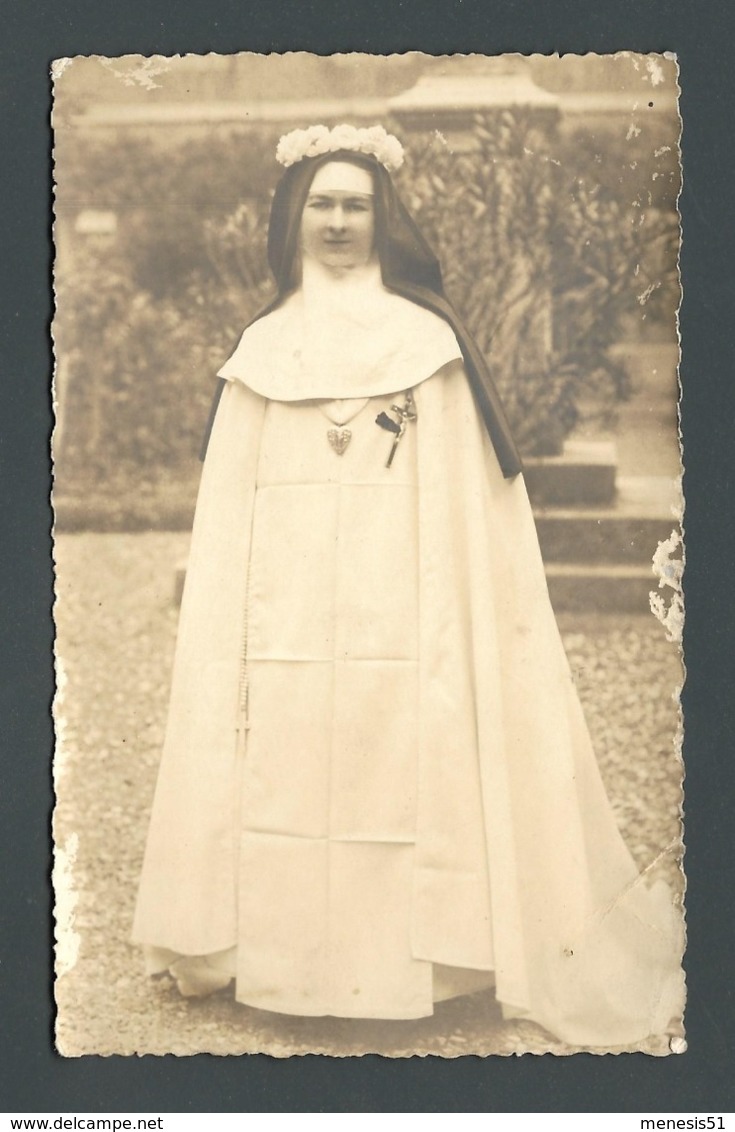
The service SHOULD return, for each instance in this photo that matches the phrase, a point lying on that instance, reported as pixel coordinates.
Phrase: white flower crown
(316, 140)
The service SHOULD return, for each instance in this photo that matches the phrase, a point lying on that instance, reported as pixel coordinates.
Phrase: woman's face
(338, 221)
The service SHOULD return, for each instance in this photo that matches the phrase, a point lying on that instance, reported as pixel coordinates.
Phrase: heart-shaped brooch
(339, 438)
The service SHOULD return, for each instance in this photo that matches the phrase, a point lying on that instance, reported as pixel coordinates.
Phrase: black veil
(403, 252)
(408, 267)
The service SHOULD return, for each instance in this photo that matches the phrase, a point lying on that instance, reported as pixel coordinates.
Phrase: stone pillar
(454, 89)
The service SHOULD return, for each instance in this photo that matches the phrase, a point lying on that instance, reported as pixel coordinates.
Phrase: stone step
(644, 514)
(577, 587)
(565, 539)
(574, 538)
(584, 474)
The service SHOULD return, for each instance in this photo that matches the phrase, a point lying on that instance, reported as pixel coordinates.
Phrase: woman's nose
(337, 217)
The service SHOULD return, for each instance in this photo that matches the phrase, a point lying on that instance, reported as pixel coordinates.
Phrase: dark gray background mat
(32, 1077)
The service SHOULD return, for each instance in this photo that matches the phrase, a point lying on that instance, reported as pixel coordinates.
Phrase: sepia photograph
(368, 554)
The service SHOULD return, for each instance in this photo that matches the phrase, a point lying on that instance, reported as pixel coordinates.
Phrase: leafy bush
(140, 371)
(145, 321)
(544, 262)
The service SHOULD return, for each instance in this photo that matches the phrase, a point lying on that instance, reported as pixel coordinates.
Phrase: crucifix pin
(405, 413)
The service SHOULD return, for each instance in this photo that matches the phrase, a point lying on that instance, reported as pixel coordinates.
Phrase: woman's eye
(356, 206)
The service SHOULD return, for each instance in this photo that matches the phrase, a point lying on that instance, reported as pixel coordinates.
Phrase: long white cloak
(577, 940)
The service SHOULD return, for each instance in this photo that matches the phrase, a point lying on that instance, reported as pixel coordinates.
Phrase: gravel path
(116, 629)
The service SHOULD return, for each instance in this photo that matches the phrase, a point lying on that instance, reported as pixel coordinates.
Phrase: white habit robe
(377, 786)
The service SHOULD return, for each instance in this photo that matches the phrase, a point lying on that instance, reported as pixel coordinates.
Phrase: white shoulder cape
(582, 945)
(377, 343)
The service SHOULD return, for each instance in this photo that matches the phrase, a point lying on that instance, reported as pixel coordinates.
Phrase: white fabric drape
(344, 338)
(518, 866)
(580, 943)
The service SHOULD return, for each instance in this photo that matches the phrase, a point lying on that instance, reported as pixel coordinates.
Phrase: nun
(377, 788)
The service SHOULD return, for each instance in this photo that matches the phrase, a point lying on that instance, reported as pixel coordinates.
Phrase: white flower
(345, 137)
(291, 147)
(316, 140)
(321, 144)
